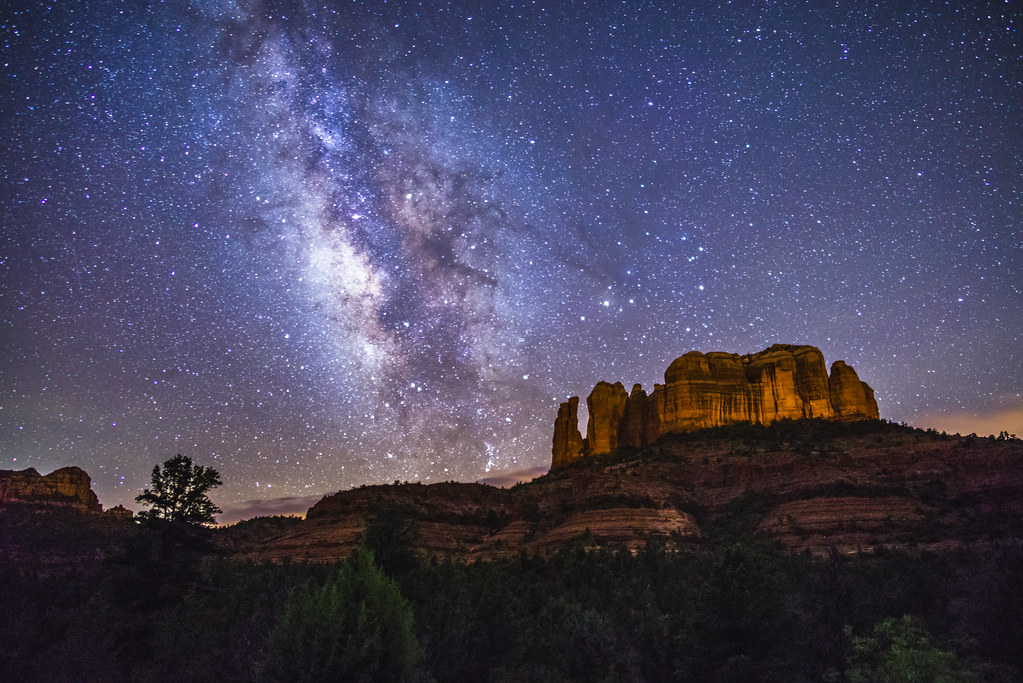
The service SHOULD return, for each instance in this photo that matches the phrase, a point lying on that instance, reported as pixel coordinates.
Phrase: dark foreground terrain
(750, 593)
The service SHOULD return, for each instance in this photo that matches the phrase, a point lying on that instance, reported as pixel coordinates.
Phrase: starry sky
(321, 244)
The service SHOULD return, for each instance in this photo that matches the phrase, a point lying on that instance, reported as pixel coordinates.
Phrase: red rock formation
(606, 404)
(640, 423)
(852, 399)
(713, 389)
(67, 487)
(704, 390)
(568, 442)
(121, 512)
(812, 383)
(772, 378)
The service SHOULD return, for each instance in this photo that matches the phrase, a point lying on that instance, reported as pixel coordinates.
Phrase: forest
(170, 605)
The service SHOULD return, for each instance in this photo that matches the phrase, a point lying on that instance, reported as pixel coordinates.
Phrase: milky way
(319, 245)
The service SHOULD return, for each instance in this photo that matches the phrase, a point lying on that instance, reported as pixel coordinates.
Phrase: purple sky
(318, 245)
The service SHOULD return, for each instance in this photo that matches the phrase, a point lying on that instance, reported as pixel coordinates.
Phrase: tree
(179, 493)
(391, 534)
(355, 627)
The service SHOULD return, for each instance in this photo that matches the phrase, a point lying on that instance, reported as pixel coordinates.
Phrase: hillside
(709, 592)
(810, 485)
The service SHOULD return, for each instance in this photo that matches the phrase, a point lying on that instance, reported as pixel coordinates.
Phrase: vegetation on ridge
(740, 609)
(809, 437)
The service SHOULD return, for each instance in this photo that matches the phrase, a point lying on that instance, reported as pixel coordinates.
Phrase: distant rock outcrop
(68, 487)
(120, 512)
(704, 390)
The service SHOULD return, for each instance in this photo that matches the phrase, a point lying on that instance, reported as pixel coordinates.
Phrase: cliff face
(68, 487)
(848, 393)
(606, 404)
(704, 390)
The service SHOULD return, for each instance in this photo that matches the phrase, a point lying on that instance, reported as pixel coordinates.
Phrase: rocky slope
(810, 484)
(51, 524)
(68, 487)
(710, 390)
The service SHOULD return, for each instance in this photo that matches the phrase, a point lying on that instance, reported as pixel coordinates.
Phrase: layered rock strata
(68, 487)
(704, 390)
(812, 486)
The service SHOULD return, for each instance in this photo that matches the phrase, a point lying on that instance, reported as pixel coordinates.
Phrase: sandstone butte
(68, 487)
(703, 390)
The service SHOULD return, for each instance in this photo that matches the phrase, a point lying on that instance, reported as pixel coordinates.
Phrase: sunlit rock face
(641, 423)
(704, 390)
(606, 404)
(67, 487)
(568, 442)
(850, 397)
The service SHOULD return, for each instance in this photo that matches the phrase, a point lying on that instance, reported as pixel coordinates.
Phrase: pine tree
(178, 493)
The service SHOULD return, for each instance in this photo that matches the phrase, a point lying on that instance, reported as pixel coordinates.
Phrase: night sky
(317, 245)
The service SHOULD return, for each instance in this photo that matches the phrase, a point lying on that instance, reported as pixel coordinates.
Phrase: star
(343, 248)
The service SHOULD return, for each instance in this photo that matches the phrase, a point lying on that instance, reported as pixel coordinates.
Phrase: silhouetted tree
(178, 493)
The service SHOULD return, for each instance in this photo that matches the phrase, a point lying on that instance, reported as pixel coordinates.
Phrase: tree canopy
(355, 627)
(179, 493)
